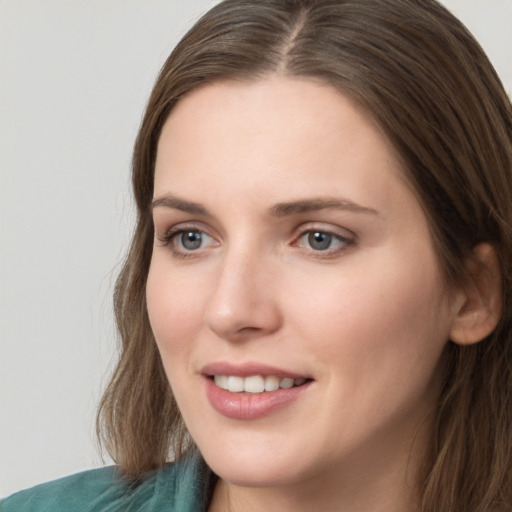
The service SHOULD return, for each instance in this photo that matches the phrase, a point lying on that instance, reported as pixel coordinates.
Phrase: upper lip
(248, 369)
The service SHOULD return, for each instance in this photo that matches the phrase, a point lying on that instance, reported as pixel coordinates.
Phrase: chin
(255, 467)
(243, 475)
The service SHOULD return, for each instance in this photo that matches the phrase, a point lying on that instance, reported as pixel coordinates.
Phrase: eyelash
(168, 240)
(345, 242)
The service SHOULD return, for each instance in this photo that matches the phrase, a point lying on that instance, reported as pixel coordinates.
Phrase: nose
(243, 304)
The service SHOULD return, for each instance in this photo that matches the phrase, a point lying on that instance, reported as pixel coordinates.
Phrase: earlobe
(480, 305)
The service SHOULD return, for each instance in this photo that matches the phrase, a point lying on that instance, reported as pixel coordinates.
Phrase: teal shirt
(174, 488)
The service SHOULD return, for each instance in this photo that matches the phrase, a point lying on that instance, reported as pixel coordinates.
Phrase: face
(293, 266)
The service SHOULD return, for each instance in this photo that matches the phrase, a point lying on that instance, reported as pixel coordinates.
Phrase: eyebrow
(170, 201)
(278, 210)
(309, 205)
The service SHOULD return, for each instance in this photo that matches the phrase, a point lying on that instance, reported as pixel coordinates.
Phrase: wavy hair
(431, 88)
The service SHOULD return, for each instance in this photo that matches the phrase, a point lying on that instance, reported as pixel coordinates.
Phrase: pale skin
(253, 170)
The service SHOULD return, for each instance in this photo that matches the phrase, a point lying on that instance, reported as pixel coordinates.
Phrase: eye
(185, 241)
(322, 241)
(319, 241)
(190, 240)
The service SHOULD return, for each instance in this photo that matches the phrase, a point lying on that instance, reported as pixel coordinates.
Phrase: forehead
(279, 106)
(272, 137)
(274, 99)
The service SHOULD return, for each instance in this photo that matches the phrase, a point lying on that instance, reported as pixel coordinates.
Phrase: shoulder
(68, 493)
(175, 487)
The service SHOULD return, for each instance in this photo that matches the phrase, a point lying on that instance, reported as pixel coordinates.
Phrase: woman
(320, 270)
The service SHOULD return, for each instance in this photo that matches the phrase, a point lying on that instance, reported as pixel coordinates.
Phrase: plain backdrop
(74, 79)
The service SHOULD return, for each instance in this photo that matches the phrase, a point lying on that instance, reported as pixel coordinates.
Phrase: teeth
(271, 383)
(255, 383)
(286, 383)
(221, 381)
(235, 384)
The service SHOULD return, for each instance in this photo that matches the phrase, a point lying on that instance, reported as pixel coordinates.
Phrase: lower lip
(250, 406)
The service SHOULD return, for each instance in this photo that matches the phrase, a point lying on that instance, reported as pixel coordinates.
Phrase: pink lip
(248, 369)
(249, 406)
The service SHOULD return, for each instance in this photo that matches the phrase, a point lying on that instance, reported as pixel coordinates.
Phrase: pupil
(319, 241)
(191, 240)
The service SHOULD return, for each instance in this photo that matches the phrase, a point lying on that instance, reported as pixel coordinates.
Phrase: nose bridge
(242, 301)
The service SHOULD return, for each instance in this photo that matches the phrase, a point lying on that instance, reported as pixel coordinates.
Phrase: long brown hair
(430, 86)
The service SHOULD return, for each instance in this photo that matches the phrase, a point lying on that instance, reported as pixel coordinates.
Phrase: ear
(479, 306)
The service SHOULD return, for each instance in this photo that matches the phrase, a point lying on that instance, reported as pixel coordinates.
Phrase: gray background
(74, 78)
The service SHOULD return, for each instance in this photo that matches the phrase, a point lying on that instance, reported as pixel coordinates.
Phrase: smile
(255, 383)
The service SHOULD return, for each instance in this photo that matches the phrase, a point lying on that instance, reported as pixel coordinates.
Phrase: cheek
(174, 310)
(378, 316)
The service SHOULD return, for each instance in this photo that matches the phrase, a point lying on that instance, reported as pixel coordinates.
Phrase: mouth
(256, 384)
(250, 391)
